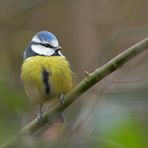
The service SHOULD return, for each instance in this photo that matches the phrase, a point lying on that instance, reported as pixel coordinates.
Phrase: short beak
(58, 48)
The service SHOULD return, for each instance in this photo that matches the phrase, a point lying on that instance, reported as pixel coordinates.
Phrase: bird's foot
(61, 99)
(40, 118)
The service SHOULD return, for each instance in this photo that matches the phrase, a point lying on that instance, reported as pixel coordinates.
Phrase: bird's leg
(57, 116)
(40, 115)
(60, 117)
(61, 99)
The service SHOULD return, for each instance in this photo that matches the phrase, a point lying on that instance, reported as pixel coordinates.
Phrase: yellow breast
(60, 77)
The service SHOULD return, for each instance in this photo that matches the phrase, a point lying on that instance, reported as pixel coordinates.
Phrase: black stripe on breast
(45, 81)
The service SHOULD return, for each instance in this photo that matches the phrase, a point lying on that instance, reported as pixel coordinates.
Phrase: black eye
(47, 45)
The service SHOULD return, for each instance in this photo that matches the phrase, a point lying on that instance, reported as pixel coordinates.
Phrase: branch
(83, 86)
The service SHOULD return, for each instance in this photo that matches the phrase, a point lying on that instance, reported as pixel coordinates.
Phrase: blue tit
(45, 72)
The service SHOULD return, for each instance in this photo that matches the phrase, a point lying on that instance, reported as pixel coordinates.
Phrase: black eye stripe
(43, 44)
(46, 45)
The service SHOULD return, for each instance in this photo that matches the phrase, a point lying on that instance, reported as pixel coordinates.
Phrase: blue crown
(46, 36)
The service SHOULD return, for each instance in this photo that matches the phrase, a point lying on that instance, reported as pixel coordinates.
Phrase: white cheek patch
(42, 50)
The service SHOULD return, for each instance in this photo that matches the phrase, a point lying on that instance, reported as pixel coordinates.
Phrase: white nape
(41, 50)
(36, 39)
(54, 43)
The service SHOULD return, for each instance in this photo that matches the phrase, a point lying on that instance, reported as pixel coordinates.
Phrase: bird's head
(43, 43)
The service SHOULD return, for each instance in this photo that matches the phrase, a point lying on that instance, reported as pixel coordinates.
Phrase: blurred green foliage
(12, 98)
(12, 105)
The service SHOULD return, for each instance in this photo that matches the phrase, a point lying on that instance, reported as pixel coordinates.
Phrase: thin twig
(82, 87)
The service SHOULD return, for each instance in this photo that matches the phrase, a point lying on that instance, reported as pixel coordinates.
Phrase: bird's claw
(40, 118)
(62, 99)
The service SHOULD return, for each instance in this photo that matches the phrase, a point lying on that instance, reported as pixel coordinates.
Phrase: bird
(46, 73)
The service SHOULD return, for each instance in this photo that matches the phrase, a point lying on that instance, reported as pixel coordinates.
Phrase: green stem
(82, 87)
